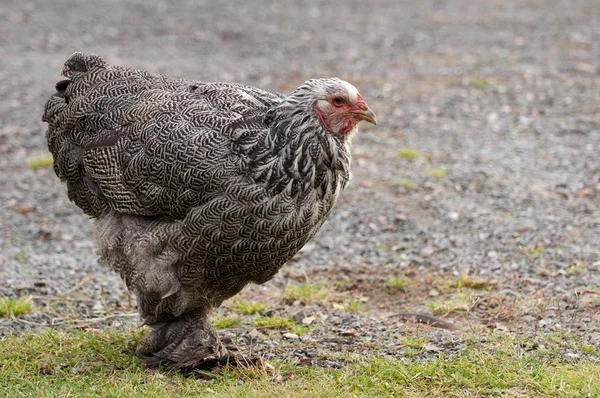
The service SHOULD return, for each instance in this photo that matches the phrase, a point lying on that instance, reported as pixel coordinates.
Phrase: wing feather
(148, 145)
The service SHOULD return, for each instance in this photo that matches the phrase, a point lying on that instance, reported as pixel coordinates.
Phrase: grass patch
(394, 284)
(416, 343)
(437, 173)
(473, 282)
(307, 293)
(15, 307)
(40, 161)
(458, 303)
(406, 184)
(534, 253)
(576, 269)
(272, 322)
(246, 307)
(301, 330)
(407, 153)
(100, 363)
(353, 305)
(20, 255)
(224, 322)
(482, 83)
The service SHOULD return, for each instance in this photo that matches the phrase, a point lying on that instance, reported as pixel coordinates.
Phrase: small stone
(291, 336)
(434, 293)
(299, 316)
(253, 334)
(528, 318)
(594, 338)
(453, 216)
(401, 217)
(571, 356)
(431, 347)
(544, 322)
(492, 117)
(426, 251)
(500, 326)
(586, 68)
(308, 320)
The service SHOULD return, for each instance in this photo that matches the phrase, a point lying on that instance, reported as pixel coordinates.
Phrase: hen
(197, 188)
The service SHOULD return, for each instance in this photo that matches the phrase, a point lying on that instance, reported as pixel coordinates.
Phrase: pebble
(570, 356)
(254, 334)
(299, 316)
(291, 336)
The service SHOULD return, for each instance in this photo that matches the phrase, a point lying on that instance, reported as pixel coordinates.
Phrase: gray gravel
(502, 95)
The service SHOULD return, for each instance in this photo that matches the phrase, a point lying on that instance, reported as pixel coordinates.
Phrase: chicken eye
(338, 101)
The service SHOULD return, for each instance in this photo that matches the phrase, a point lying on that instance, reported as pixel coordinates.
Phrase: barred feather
(198, 188)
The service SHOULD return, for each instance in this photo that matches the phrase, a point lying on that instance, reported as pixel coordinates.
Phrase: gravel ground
(501, 96)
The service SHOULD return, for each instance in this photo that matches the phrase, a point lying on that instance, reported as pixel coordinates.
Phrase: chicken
(196, 188)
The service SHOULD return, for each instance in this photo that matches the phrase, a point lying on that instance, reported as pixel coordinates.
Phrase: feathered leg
(185, 343)
(181, 336)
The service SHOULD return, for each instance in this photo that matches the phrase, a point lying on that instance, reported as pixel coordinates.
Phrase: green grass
(15, 307)
(473, 282)
(224, 322)
(272, 322)
(101, 364)
(447, 305)
(20, 255)
(246, 307)
(534, 253)
(406, 184)
(407, 153)
(414, 342)
(40, 162)
(307, 293)
(576, 269)
(301, 330)
(394, 284)
(482, 83)
(353, 305)
(437, 173)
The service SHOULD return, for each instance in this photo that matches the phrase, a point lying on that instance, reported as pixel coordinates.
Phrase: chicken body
(197, 188)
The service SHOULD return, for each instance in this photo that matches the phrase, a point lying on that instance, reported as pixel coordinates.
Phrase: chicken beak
(367, 115)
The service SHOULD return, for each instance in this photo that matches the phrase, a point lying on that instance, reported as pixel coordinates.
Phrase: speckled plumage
(197, 188)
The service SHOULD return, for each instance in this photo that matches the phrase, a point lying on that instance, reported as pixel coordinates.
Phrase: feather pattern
(197, 188)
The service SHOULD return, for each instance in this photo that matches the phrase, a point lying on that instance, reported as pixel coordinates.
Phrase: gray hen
(197, 188)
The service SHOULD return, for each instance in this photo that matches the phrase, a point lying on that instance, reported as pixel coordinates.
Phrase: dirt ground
(481, 183)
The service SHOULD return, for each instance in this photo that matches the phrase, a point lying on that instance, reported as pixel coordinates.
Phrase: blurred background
(485, 165)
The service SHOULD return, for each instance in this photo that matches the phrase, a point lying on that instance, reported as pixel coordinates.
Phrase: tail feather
(74, 68)
(63, 110)
(80, 63)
